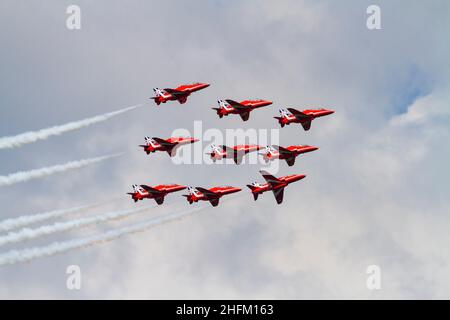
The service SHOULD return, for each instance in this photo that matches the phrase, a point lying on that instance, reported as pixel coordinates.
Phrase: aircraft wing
(163, 142)
(238, 106)
(150, 189)
(278, 193)
(229, 151)
(298, 114)
(282, 150)
(169, 145)
(274, 181)
(235, 104)
(208, 193)
(177, 93)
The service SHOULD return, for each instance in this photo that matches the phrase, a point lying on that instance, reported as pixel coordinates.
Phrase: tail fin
(223, 104)
(151, 142)
(272, 180)
(269, 150)
(148, 141)
(216, 150)
(158, 92)
(138, 189)
(284, 112)
(192, 191)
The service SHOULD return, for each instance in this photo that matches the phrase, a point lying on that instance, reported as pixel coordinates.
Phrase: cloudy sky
(376, 193)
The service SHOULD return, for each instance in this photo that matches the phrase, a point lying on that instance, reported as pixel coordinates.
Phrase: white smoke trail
(29, 233)
(22, 176)
(25, 220)
(32, 136)
(16, 256)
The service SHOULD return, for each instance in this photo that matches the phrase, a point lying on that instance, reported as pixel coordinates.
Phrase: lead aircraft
(179, 94)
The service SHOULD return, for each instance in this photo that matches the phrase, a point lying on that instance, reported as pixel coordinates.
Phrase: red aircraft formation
(226, 107)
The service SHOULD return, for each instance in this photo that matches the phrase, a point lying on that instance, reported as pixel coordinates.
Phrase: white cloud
(375, 192)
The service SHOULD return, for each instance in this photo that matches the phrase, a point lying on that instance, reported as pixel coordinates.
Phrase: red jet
(180, 94)
(158, 192)
(305, 117)
(169, 145)
(237, 152)
(277, 185)
(289, 153)
(212, 195)
(242, 108)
